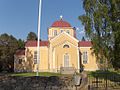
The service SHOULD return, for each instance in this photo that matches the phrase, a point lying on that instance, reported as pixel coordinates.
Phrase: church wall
(92, 64)
(59, 56)
(57, 44)
(43, 63)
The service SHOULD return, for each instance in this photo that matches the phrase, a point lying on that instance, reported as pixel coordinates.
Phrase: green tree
(8, 47)
(21, 44)
(102, 23)
(115, 18)
(32, 36)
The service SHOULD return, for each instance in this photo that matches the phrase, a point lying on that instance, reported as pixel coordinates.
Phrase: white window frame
(55, 32)
(68, 60)
(35, 57)
(66, 46)
(61, 31)
(68, 31)
(19, 61)
(85, 57)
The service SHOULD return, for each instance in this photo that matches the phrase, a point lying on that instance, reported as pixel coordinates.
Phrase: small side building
(19, 61)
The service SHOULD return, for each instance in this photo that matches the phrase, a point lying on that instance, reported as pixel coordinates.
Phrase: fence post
(97, 81)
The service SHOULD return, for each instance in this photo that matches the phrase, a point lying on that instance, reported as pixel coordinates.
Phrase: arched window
(66, 46)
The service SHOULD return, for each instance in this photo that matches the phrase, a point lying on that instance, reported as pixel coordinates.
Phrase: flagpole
(38, 33)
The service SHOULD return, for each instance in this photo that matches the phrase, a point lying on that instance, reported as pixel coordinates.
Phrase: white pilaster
(50, 58)
(78, 59)
(53, 51)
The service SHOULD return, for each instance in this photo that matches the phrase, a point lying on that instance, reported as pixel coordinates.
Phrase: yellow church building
(62, 50)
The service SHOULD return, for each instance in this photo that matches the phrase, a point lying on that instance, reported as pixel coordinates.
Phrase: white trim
(66, 42)
(53, 58)
(25, 54)
(84, 47)
(65, 34)
(69, 59)
(72, 44)
(87, 57)
(36, 46)
(62, 27)
(78, 59)
(55, 33)
(49, 35)
(50, 58)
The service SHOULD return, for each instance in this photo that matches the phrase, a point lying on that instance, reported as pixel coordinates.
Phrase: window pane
(66, 60)
(55, 32)
(85, 58)
(35, 57)
(66, 46)
(68, 31)
(20, 61)
(61, 31)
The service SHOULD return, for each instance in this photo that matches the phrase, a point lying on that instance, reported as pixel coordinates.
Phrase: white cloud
(82, 32)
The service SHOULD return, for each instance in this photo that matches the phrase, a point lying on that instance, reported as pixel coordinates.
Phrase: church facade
(62, 49)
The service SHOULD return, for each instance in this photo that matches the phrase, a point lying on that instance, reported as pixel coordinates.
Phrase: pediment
(63, 37)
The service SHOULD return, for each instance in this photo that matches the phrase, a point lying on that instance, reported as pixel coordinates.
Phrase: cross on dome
(61, 17)
(61, 23)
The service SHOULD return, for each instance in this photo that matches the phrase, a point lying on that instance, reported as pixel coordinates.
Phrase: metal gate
(104, 81)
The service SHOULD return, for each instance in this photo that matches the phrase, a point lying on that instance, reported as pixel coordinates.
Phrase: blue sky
(19, 17)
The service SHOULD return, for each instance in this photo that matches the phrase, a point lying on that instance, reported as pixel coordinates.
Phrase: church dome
(61, 23)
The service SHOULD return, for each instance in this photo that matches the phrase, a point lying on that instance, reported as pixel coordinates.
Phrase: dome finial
(61, 17)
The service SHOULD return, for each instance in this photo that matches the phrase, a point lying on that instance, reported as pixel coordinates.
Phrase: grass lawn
(34, 74)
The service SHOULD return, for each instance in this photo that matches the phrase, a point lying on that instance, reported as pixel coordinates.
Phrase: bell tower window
(68, 31)
(61, 31)
(55, 32)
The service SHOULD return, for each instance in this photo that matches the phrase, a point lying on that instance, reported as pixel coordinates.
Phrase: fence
(104, 81)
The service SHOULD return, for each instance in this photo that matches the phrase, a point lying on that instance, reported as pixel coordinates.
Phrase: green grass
(34, 74)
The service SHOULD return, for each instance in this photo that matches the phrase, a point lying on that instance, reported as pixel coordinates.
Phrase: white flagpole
(38, 41)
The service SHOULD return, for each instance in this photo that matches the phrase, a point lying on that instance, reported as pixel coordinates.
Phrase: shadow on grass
(46, 74)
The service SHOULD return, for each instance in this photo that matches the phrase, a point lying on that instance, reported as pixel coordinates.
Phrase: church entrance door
(66, 60)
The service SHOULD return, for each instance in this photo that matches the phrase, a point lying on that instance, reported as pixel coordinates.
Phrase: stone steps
(67, 70)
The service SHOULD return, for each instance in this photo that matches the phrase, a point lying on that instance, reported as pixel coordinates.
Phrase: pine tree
(21, 44)
(8, 47)
(32, 36)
